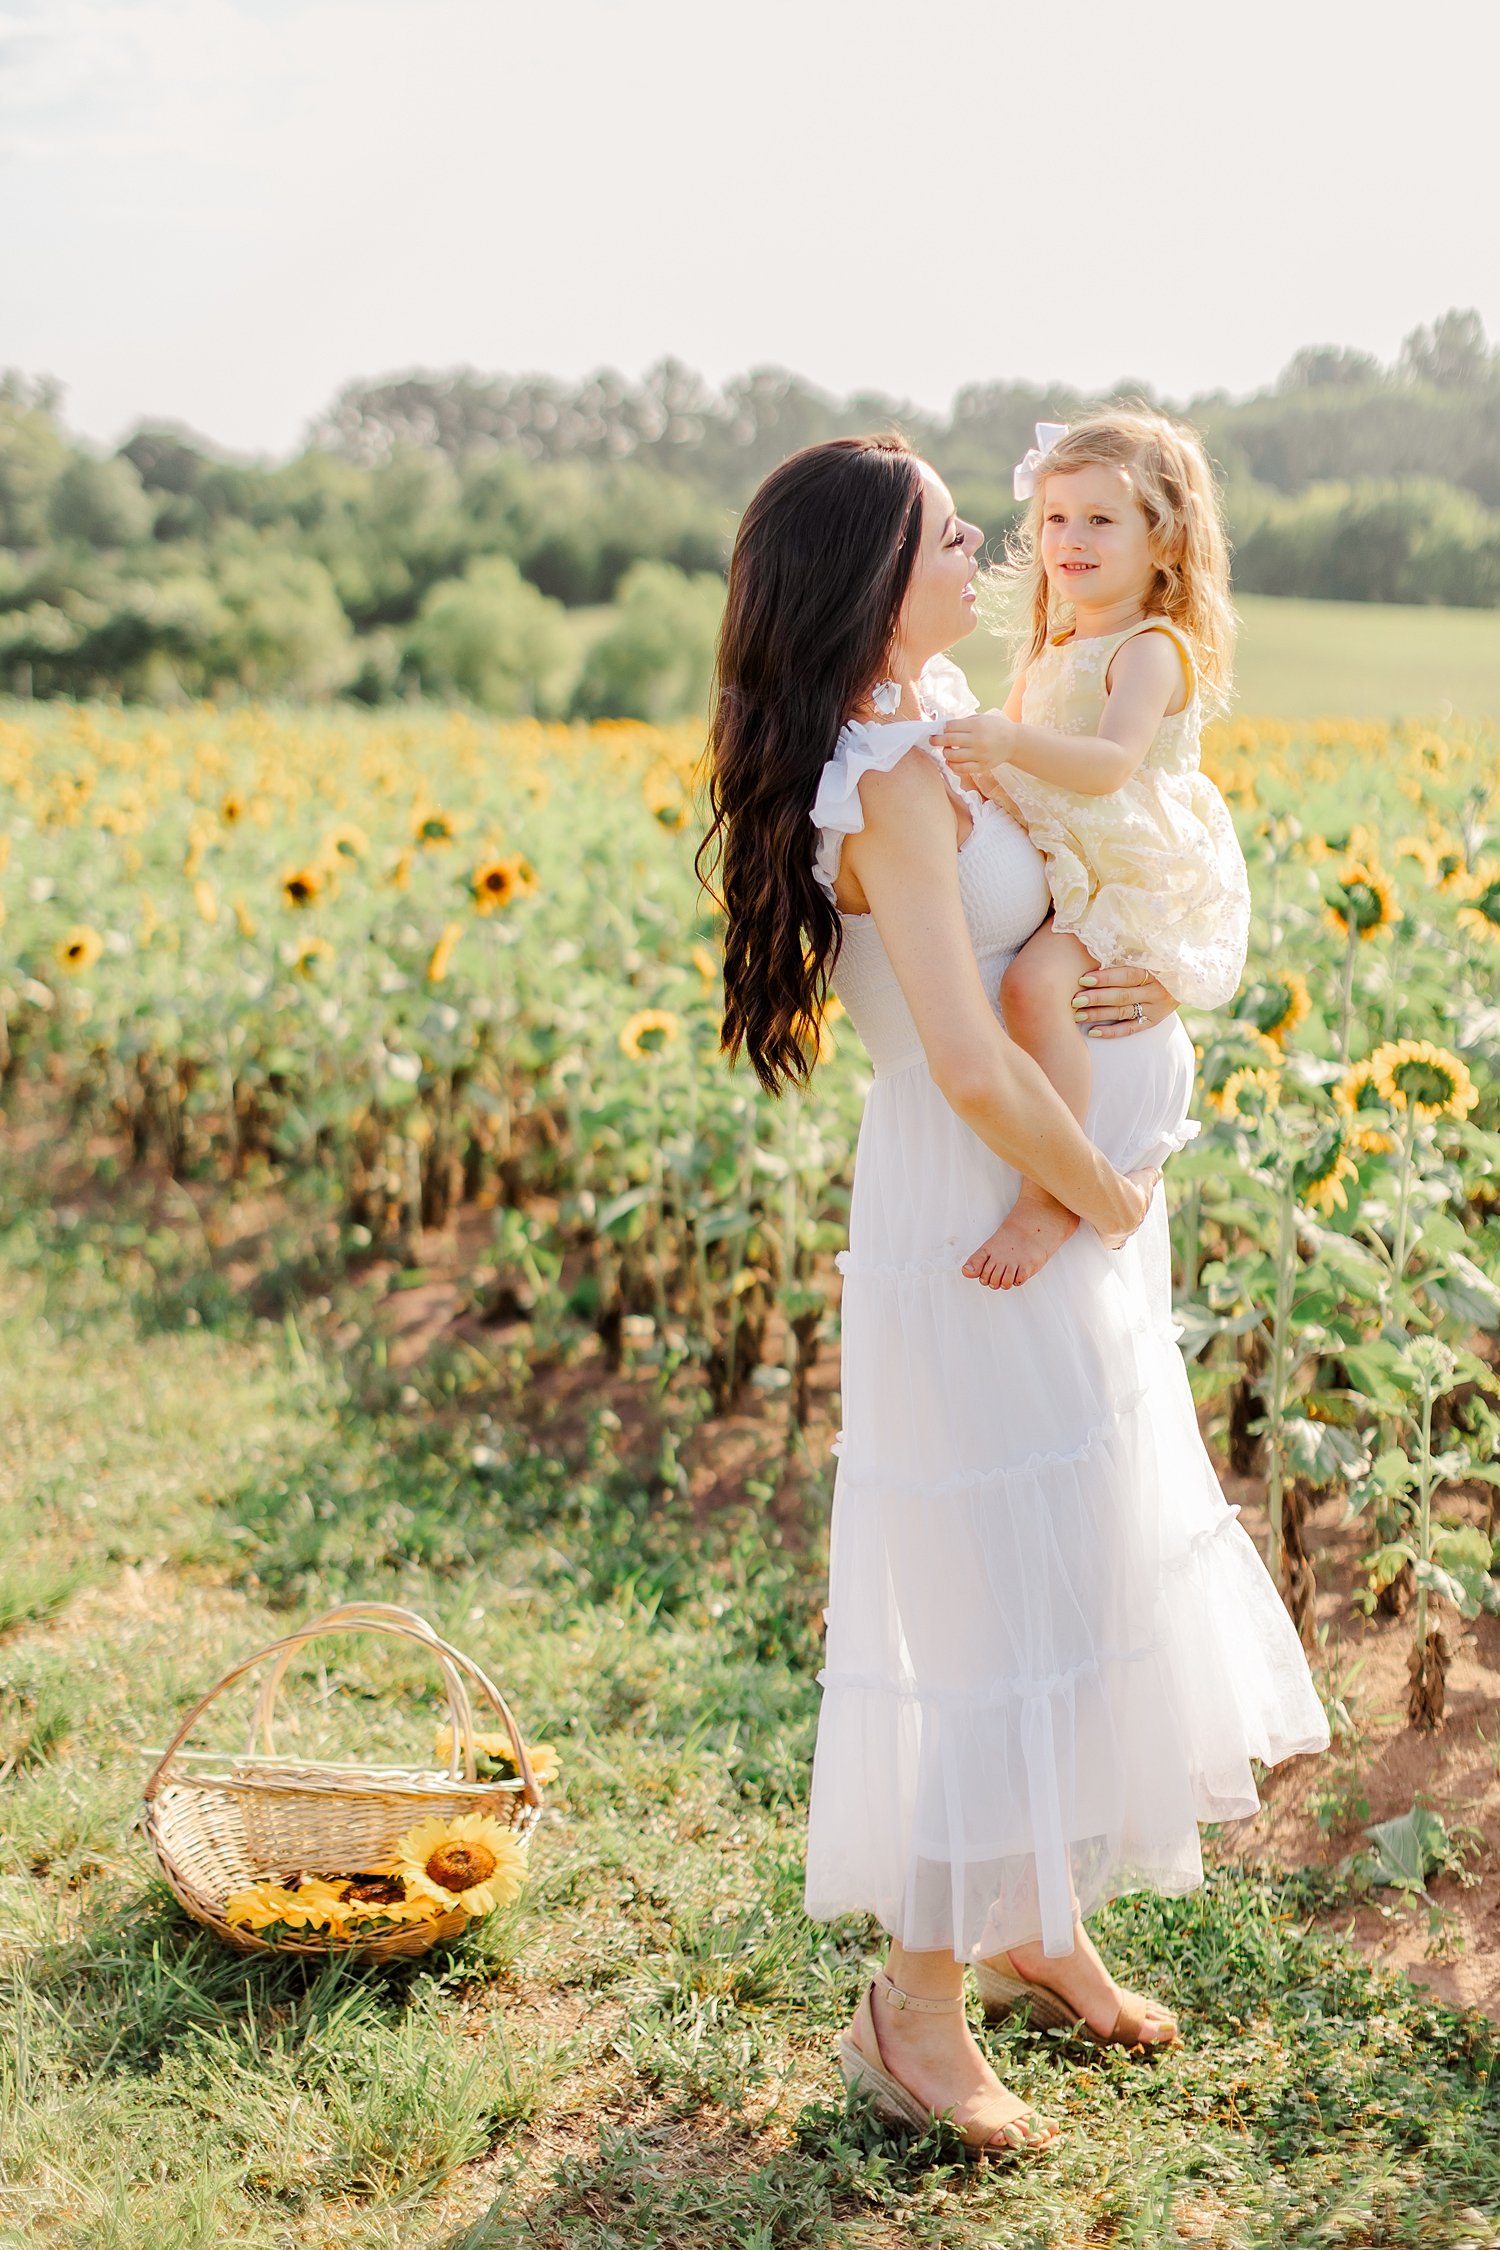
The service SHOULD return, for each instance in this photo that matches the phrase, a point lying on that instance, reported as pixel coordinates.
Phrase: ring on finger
(1140, 1013)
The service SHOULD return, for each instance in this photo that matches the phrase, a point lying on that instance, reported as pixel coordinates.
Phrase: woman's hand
(1144, 1185)
(1113, 1003)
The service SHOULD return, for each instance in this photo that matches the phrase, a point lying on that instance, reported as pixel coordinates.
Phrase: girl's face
(1096, 543)
(939, 605)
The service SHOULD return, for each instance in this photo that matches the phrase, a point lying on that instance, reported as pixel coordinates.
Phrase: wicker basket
(214, 1832)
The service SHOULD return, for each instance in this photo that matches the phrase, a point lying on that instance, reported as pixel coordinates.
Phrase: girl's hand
(1113, 1003)
(974, 746)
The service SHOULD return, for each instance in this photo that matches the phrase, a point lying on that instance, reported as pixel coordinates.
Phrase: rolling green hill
(1367, 660)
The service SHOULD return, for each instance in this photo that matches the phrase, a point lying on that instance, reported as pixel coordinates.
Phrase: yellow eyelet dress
(1151, 875)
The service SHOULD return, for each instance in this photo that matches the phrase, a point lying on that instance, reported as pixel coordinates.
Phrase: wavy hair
(1174, 484)
(819, 573)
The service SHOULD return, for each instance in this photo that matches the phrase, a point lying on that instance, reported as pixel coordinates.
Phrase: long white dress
(1052, 1647)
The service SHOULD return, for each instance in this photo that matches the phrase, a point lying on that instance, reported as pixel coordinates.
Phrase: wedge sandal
(1004, 1994)
(864, 2069)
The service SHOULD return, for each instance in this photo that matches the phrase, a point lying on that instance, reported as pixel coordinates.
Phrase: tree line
(526, 544)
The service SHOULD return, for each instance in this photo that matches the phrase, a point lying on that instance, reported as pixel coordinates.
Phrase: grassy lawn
(637, 2053)
(1365, 660)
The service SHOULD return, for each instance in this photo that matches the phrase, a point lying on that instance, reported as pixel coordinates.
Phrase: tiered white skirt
(1052, 1648)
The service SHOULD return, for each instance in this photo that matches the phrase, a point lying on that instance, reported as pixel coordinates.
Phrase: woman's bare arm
(906, 866)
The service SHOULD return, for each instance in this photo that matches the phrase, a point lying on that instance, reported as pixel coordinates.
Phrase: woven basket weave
(264, 1816)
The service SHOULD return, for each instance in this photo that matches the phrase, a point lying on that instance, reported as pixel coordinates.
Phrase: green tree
(285, 631)
(33, 455)
(100, 504)
(1453, 353)
(491, 637)
(656, 661)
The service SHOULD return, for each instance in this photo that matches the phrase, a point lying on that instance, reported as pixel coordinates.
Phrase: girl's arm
(905, 864)
(983, 778)
(1146, 682)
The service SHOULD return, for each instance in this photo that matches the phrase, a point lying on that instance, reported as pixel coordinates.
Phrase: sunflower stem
(1346, 1005)
(1281, 1321)
(1424, 1515)
(1403, 1200)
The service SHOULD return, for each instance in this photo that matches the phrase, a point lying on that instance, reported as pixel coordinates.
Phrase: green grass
(1364, 660)
(638, 2053)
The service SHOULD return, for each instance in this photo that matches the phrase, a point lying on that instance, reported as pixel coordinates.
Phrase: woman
(1052, 1650)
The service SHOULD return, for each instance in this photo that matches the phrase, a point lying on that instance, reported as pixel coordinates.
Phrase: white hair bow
(1048, 434)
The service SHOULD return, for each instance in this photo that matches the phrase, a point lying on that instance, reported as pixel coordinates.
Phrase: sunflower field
(439, 962)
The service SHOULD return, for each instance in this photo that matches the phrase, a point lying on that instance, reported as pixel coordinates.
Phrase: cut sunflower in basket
(495, 1758)
(470, 1862)
(331, 1906)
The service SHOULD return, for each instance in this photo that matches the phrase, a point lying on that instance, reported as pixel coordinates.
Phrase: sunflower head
(345, 842)
(498, 882)
(1480, 911)
(303, 886)
(470, 1861)
(1278, 1005)
(1423, 855)
(1242, 1048)
(232, 809)
(493, 1754)
(305, 1903)
(665, 798)
(1412, 1074)
(80, 949)
(1248, 1095)
(1319, 1177)
(1362, 901)
(1366, 1119)
(433, 826)
(311, 956)
(647, 1032)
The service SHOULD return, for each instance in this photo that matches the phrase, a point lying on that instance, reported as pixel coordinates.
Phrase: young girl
(1130, 633)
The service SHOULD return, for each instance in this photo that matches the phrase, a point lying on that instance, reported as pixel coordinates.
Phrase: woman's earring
(887, 698)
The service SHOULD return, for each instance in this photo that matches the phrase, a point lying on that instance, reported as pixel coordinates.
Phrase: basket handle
(376, 1617)
(372, 1617)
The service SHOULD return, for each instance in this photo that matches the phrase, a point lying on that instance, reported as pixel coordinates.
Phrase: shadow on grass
(144, 1979)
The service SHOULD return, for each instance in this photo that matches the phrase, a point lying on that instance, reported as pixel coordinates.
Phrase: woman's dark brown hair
(820, 570)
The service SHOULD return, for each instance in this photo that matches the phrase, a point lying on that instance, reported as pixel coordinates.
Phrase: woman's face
(939, 605)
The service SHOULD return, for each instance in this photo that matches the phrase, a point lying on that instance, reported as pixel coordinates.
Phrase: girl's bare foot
(1081, 1979)
(1034, 1230)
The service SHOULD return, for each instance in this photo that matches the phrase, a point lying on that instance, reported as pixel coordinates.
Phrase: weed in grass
(45, 1700)
(37, 1587)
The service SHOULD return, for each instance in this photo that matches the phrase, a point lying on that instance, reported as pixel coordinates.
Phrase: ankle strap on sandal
(896, 1998)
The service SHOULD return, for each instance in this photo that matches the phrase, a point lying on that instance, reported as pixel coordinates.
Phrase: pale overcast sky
(218, 211)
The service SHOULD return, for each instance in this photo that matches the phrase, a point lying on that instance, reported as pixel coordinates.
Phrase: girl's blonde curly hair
(1171, 479)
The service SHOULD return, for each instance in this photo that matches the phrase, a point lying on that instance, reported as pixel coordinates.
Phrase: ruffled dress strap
(865, 748)
(837, 811)
(944, 690)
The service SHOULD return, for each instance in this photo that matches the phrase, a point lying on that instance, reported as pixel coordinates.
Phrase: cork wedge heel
(1016, 2130)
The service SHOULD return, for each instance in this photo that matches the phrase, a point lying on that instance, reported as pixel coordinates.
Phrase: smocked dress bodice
(1001, 876)
(1150, 874)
